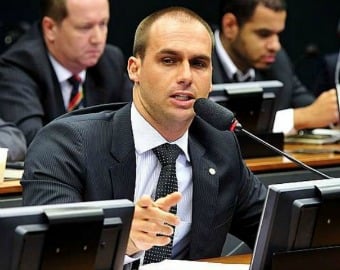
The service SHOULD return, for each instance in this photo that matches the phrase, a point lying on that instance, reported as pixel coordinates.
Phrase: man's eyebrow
(267, 31)
(203, 57)
(173, 52)
(168, 51)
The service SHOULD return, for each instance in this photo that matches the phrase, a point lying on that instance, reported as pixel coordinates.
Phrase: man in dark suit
(109, 155)
(70, 39)
(248, 48)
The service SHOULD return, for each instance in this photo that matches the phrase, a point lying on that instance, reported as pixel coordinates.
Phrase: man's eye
(168, 61)
(199, 64)
(85, 27)
(264, 34)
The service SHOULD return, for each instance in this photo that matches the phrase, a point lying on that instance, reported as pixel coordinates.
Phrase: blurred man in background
(61, 64)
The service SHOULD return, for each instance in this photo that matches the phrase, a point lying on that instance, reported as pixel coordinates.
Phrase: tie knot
(239, 78)
(167, 153)
(75, 80)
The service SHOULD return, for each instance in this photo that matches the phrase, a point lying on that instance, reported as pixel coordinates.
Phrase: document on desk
(13, 174)
(185, 265)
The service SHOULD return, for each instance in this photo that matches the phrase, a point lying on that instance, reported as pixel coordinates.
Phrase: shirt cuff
(284, 122)
(134, 257)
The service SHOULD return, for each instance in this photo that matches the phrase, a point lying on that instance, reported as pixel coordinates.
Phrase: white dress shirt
(148, 169)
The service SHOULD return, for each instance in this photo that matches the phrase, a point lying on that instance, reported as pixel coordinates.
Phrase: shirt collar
(228, 64)
(62, 73)
(147, 138)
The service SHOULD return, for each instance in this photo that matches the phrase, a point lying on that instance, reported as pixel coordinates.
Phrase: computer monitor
(253, 103)
(300, 227)
(82, 235)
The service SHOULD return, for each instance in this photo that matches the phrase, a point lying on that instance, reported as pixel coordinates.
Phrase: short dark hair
(143, 29)
(55, 9)
(244, 9)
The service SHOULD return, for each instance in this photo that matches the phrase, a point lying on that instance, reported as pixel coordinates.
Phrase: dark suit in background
(30, 94)
(80, 170)
(326, 76)
(293, 95)
(12, 138)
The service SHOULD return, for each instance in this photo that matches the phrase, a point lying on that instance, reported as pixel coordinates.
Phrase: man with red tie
(69, 41)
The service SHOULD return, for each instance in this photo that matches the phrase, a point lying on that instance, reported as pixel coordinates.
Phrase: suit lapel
(123, 170)
(205, 192)
(219, 74)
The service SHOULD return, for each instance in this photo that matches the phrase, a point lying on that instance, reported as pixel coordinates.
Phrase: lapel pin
(212, 171)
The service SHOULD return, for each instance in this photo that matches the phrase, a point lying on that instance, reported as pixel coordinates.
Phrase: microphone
(223, 119)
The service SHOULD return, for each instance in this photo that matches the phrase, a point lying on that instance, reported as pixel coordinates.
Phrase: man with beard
(248, 48)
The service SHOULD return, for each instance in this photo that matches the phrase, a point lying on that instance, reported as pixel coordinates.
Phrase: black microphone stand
(238, 128)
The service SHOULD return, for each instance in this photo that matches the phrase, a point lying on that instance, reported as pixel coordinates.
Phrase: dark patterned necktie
(76, 94)
(167, 183)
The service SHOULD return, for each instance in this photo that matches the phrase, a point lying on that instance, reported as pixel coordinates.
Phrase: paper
(13, 174)
(3, 159)
(185, 265)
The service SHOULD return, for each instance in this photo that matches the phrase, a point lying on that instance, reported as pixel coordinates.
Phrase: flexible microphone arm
(237, 127)
(223, 119)
(336, 78)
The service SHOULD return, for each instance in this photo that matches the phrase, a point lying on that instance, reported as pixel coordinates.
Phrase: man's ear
(133, 68)
(49, 28)
(229, 26)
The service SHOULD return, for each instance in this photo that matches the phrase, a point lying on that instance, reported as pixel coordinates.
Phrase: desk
(10, 190)
(322, 159)
(11, 186)
(274, 170)
(238, 259)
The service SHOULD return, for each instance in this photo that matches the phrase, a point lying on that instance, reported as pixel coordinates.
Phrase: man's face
(79, 40)
(257, 41)
(175, 71)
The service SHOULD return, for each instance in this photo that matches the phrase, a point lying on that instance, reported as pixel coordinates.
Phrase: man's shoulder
(99, 112)
(113, 51)
(28, 49)
(112, 58)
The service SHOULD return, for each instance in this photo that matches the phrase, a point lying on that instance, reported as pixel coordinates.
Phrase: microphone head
(216, 115)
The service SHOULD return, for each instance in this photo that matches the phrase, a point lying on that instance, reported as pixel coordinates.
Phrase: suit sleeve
(13, 139)
(250, 202)
(249, 206)
(54, 166)
(19, 100)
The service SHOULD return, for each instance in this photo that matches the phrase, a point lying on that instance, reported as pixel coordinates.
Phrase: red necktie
(76, 94)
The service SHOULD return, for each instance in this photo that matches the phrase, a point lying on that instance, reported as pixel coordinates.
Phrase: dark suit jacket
(12, 138)
(30, 94)
(326, 74)
(293, 94)
(92, 157)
